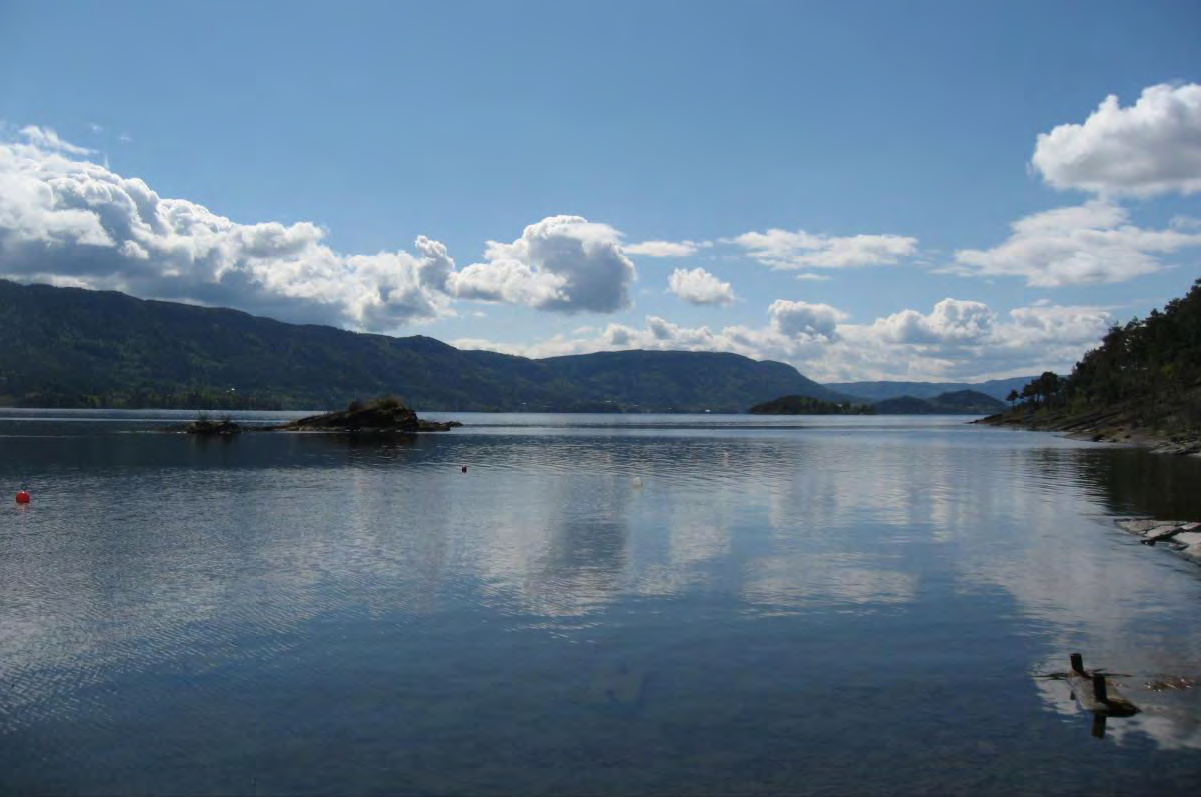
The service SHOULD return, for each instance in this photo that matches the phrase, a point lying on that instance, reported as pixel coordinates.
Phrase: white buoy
(637, 482)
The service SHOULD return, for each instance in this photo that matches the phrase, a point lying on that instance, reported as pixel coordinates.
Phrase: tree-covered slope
(73, 347)
(1143, 381)
(720, 382)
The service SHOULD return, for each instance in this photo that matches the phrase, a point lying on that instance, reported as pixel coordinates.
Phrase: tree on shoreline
(1156, 360)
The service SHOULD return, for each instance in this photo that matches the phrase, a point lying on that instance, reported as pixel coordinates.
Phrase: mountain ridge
(880, 390)
(76, 347)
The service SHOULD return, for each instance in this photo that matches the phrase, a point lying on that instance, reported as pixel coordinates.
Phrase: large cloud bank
(65, 220)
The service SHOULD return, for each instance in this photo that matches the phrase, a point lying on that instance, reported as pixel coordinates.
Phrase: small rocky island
(385, 415)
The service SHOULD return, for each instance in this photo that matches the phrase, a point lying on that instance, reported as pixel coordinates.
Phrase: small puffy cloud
(563, 263)
(782, 249)
(699, 287)
(665, 248)
(1152, 147)
(805, 320)
(1087, 244)
(67, 221)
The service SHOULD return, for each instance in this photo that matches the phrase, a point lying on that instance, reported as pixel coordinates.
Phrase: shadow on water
(1137, 482)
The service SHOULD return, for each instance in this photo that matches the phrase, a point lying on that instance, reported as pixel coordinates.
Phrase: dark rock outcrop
(209, 427)
(383, 415)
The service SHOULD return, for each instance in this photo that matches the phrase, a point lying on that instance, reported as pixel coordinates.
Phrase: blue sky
(916, 190)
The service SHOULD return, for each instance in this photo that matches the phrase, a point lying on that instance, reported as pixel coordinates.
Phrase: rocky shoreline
(1125, 425)
(1181, 537)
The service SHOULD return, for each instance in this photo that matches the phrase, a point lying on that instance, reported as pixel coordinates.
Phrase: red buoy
(22, 496)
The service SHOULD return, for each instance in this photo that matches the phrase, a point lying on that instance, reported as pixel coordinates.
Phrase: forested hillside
(67, 347)
(1143, 380)
(1157, 358)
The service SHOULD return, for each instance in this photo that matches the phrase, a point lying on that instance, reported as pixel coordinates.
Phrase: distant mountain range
(68, 347)
(958, 402)
(878, 391)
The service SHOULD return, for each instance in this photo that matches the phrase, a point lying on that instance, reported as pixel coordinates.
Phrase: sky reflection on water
(754, 591)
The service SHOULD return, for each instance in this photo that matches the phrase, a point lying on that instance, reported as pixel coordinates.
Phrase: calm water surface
(599, 605)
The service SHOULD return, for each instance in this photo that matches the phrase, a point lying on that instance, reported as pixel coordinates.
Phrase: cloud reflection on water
(157, 557)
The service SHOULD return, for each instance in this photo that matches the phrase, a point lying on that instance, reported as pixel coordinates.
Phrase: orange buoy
(22, 496)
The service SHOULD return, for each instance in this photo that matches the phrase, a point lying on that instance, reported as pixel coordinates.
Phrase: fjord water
(598, 605)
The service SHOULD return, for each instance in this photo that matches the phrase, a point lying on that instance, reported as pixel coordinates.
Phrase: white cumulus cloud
(951, 321)
(1151, 147)
(1086, 244)
(805, 320)
(67, 221)
(698, 286)
(563, 263)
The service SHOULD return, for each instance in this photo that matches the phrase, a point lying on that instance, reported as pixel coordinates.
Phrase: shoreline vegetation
(384, 415)
(1141, 386)
(1131, 424)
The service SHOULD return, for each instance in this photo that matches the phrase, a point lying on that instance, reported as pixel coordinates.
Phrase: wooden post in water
(1100, 690)
(1092, 692)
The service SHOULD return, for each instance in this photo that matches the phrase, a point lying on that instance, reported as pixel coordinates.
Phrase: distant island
(1142, 385)
(806, 405)
(959, 402)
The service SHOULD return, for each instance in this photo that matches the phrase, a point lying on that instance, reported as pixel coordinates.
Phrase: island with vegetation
(384, 415)
(807, 405)
(958, 402)
(1142, 385)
